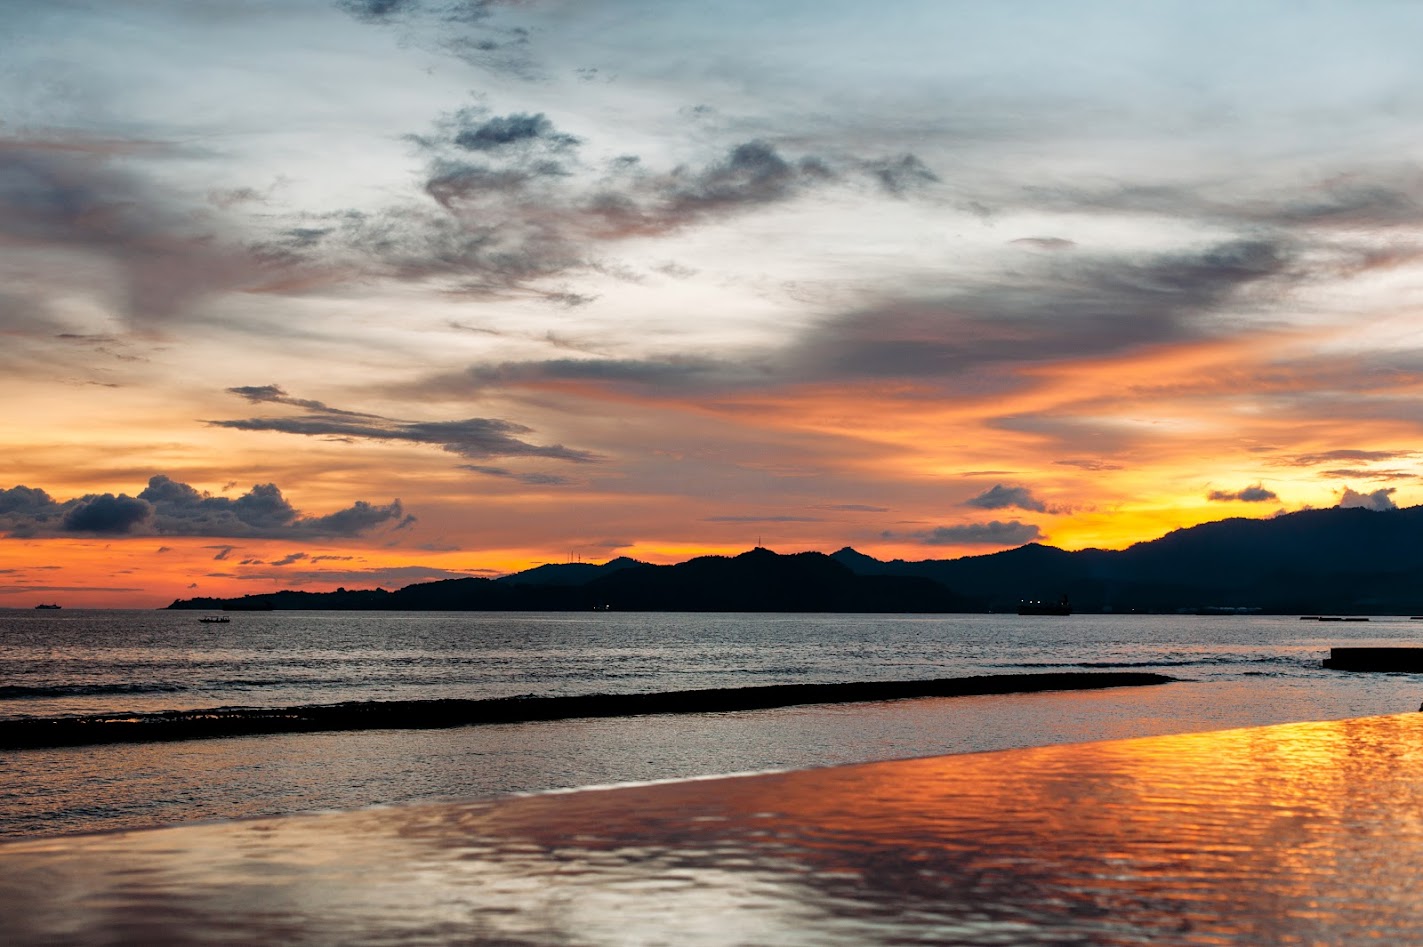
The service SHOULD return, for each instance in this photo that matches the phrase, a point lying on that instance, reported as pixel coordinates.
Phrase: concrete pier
(1407, 659)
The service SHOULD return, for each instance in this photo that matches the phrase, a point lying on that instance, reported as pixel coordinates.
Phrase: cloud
(762, 519)
(1083, 308)
(19, 589)
(360, 517)
(667, 373)
(1331, 456)
(462, 28)
(1360, 473)
(512, 206)
(1045, 243)
(1001, 497)
(444, 11)
(992, 533)
(274, 394)
(471, 437)
(855, 508)
(901, 174)
(1255, 493)
(477, 438)
(513, 203)
(71, 200)
(391, 577)
(1087, 464)
(1381, 499)
(509, 131)
(376, 11)
(168, 507)
(979, 339)
(533, 479)
(105, 513)
(24, 500)
(1373, 198)
(289, 559)
(753, 174)
(1086, 308)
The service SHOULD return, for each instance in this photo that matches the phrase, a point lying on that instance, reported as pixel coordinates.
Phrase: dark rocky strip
(434, 714)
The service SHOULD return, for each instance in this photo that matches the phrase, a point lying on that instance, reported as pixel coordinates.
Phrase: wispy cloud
(470, 437)
(1097, 307)
(385, 577)
(71, 198)
(762, 519)
(992, 533)
(533, 478)
(1334, 456)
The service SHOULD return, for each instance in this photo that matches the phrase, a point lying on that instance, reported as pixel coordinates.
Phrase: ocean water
(1235, 671)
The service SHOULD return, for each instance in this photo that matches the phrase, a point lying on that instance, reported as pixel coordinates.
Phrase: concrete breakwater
(218, 722)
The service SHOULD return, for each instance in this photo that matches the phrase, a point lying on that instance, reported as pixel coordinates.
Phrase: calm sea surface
(1235, 671)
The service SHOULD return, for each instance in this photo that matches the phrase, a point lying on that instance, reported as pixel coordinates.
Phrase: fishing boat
(49, 606)
(215, 619)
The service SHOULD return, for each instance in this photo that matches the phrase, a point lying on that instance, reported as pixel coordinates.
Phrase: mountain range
(1337, 561)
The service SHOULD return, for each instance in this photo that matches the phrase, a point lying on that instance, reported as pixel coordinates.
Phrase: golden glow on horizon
(1116, 450)
(639, 324)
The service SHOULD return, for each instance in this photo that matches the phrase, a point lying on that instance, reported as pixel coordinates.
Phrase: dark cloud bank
(475, 438)
(168, 507)
(970, 338)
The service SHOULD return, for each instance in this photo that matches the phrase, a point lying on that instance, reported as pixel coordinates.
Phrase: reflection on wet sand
(1302, 833)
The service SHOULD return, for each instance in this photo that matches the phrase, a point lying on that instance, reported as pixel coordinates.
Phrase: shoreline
(220, 722)
(1131, 840)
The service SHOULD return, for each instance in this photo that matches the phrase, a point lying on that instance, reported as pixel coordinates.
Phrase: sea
(1230, 671)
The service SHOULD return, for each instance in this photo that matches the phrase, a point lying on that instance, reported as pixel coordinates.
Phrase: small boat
(215, 619)
(1060, 607)
(49, 606)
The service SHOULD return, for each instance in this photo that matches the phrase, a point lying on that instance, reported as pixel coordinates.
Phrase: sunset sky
(319, 293)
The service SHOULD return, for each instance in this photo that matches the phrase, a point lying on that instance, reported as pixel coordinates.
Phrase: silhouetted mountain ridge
(758, 581)
(1335, 560)
(1342, 561)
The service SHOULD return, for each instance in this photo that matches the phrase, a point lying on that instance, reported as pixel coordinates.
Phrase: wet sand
(1299, 833)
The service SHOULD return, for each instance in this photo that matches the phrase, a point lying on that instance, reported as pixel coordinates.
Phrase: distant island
(1343, 561)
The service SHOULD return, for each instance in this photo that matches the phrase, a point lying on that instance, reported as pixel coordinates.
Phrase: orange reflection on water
(1303, 833)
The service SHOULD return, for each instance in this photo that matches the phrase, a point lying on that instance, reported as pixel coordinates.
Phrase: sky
(360, 293)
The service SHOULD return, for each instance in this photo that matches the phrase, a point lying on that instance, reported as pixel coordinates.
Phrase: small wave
(34, 691)
(167, 725)
(1098, 665)
(1205, 660)
(43, 691)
